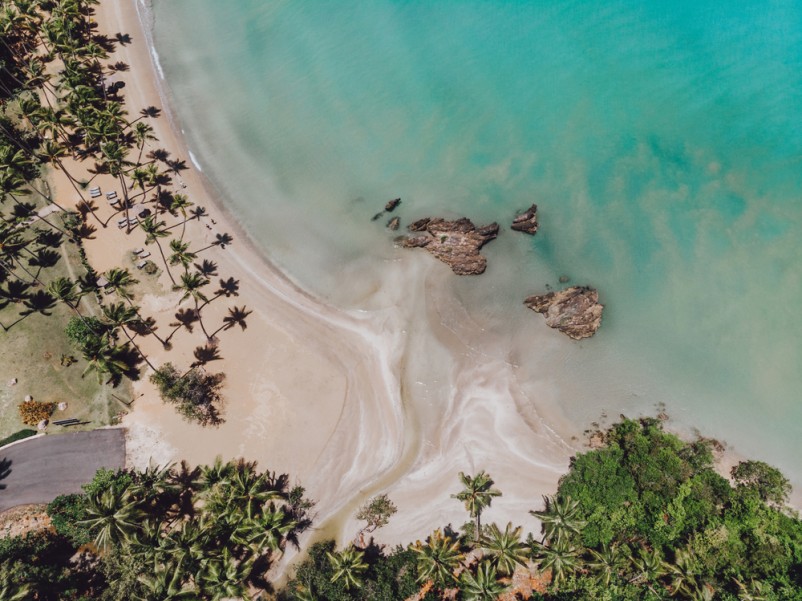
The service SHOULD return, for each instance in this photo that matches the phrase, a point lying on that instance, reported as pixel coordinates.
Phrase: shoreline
(370, 443)
(326, 395)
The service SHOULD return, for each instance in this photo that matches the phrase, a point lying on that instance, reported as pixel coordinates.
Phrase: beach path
(39, 469)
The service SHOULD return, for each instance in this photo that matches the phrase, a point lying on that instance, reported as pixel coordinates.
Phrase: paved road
(40, 469)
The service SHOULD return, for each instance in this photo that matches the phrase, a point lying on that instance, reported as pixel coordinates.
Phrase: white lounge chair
(95, 189)
(139, 251)
(112, 194)
(141, 264)
(144, 255)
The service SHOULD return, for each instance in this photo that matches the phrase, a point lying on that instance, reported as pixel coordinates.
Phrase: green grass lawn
(31, 352)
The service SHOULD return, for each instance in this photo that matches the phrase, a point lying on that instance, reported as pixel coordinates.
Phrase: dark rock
(394, 223)
(391, 205)
(455, 243)
(526, 222)
(564, 279)
(377, 216)
(575, 311)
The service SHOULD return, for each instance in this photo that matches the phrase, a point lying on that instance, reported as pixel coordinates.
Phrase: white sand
(324, 394)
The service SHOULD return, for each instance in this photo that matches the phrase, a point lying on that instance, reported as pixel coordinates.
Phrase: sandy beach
(317, 392)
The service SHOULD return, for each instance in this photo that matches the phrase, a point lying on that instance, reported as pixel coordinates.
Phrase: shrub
(32, 412)
(196, 394)
(65, 512)
(22, 434)
(86, 332)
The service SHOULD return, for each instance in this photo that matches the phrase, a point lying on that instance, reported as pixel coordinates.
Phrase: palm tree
(477, 494)
(180, 204)
(153, 231)
(167, 584)
(482, 587)
(64, 289)
(560, 557)
(181, 253)
(560, 519)
(438, 559)
(112, 516)
(754, 591)
(236, 317)
(348, 566)
(649, 567)
(191, 284)
(105, 358)
(505, 549)
(609, 562)
(267, 531)
(143, 133)
(121, 315)
(684, 572)
(120, 280)
(224, 577)
(246, 491)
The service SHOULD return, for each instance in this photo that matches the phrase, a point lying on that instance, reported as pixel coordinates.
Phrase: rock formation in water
(392, 204)
(394, 223)
(575, 311)
(455, 243)
(526, 222)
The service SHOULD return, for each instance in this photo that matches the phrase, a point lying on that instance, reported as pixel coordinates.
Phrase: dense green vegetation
(164, 533)
(644, 517)
(196, 394)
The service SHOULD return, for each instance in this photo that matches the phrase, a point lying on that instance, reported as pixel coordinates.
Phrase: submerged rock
(526, 222)
(575, 311)
(391, 205)
(394, 223)
(455, 243)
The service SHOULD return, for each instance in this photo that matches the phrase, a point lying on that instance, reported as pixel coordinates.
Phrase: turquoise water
(662, 142)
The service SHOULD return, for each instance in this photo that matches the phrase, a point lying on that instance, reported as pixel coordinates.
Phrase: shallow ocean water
(662, 143)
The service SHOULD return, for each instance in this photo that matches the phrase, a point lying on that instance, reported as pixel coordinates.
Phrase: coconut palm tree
(105, 358)
(754, 591)
(438, 559)
(560, 557)
(504, 549)
(560, 518)
(477, 495)
(153, 231)
(122, 316)
(649, 567)
(120, 280)
(112, 516)
(482, 587)
(267, 532)
(180, 204)
(348, 566)
(684, 572)
(167, 583)
(64, 289)
(609, 562)
(181, 253)
(224, 577)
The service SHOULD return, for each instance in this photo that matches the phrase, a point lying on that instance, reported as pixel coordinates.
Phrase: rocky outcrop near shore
(455, 243)
(575, 311)
(526, 222)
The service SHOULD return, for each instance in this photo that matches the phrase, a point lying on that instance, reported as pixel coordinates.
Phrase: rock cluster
(526, 222)
(455, 243)
(575, 311)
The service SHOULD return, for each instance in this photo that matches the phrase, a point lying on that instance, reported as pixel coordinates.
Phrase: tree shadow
(49, 238)
(205, 354)
(5, 470)
(123, 39)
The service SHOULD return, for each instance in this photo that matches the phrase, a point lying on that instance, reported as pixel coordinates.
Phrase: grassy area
(32, 351)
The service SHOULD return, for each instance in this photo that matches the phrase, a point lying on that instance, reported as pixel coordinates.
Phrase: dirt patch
(24, 519)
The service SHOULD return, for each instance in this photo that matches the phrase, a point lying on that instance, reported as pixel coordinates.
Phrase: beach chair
(141, 264)
(114, 201)
(112, 194)
(144, 255)
(94, 193)
(138, 251)
(95, 189)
